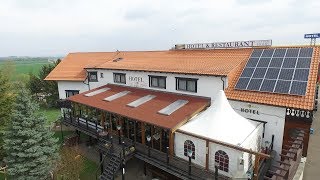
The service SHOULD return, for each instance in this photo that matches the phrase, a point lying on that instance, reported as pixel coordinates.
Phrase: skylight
(173, 107)
(96, 92)
(116, 96)
(141, 100)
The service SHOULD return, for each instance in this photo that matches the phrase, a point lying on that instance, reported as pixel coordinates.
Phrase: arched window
(188, 145)
(222, 160)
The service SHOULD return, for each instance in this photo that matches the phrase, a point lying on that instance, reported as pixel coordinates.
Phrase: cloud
(46, 27)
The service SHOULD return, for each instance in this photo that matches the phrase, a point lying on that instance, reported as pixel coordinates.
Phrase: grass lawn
(51, 114)
(89, 171)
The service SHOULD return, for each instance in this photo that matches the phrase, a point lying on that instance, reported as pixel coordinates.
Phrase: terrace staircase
(114, 153)
(112, 168)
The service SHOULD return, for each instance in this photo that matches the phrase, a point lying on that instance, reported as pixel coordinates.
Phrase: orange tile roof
(147, 112)
(300, 102)
(204, 62)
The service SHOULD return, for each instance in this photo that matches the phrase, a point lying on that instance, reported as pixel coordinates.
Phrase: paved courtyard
(312, 166)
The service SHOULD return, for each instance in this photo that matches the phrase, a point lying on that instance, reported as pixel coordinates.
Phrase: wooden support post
(256, 167)
(152, 132)
(101, 163)
(143, 133)
(110, 122)
(102, 120)
(171, 143)
(87, 123)
(161, 139)
(128, 130)
(207, 155)
(135, 131)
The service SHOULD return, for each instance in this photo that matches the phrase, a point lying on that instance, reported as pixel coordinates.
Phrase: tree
(30, 147)
(6, 102)
(37, 84)
(71, 163)
(34, 84)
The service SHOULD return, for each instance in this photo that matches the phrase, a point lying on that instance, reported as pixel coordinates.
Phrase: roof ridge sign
(226, 45)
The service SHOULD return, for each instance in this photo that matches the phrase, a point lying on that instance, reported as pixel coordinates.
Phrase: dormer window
(92, 76)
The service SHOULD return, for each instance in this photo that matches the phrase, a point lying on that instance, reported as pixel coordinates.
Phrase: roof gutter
(84, 82)
(223, 81)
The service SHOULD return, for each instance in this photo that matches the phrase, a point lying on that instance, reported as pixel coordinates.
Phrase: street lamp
(119, 128)
(149, 139)
(190, 156)
(123, 160)
(216, 168)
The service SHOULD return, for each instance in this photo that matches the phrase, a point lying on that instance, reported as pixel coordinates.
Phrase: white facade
(71, 85)
(207, 86)
(273, 116)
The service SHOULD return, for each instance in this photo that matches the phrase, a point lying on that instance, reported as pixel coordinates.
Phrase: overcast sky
(57, 27)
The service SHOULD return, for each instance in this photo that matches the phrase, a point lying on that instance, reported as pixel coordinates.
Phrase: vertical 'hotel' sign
(226, 45)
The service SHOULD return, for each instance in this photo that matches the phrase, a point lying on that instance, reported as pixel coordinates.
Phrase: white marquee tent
(219, 122)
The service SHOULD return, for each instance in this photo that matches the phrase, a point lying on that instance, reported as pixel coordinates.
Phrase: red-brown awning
(148, 111)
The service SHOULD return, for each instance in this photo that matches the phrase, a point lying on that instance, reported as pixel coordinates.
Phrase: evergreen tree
(6, 102)
(30, 147)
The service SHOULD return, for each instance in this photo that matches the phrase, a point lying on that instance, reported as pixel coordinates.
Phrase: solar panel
(252, 62)
(289, 62)
(283, 70)
(141, 100)
(276, 62)
(173, 107)
(298, 88)
(116, 96)
(301, 74)
(257, 53)
(268, 85)
(306, 52)
(247, 72)
(303, 62)
(264, 62)
(96, 92)
(254, 84)
(272, 73)
(279, 53)
(292, 52)
(267, 53)
(242, 83)
(282, 86)
(259, 72)
(286, 74)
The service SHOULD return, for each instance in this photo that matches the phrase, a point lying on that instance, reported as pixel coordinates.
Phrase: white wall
(252, 143)
(200, 148)
(70, 85)
(207, 86)
(234, 160)
(274, 116)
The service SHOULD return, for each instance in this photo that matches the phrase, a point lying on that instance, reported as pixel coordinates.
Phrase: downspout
(86, 79)
(222, 82)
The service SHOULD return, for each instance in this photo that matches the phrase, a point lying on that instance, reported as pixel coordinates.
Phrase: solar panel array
(283, 71)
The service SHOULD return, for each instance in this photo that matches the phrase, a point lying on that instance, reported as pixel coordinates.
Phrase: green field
(22, 68)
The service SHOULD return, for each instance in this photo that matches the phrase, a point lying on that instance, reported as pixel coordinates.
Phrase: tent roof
(221, 122)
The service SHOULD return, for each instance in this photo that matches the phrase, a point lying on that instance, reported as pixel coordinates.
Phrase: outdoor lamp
(119, 127)
(189, 152)
(149, 139)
